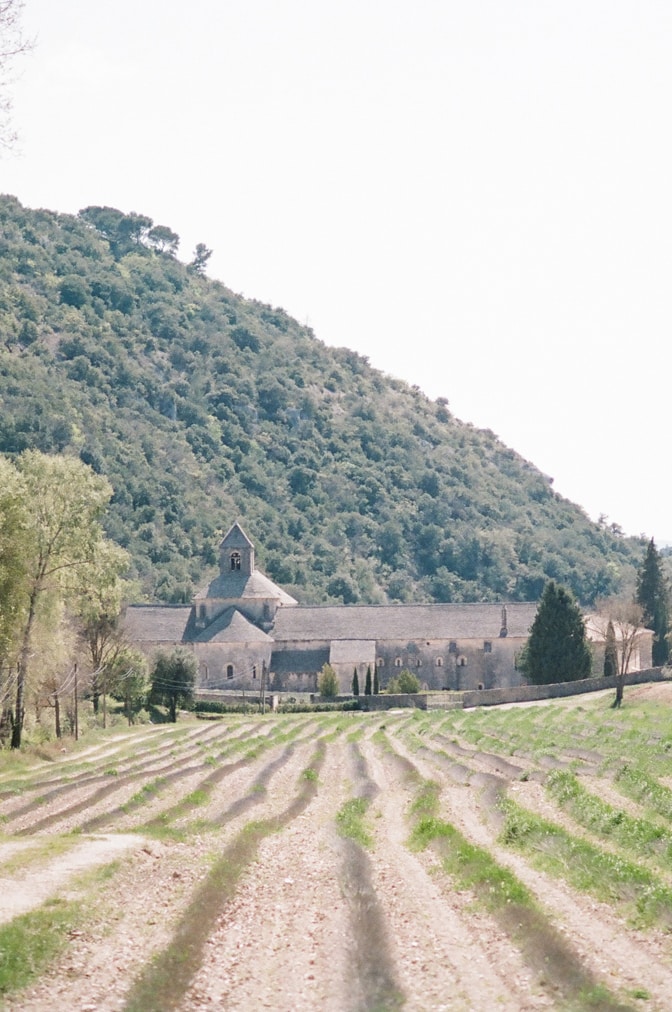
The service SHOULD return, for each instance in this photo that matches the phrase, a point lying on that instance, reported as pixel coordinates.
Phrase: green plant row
(507, 899)
(585, 866)
(605, 820)
(642, 787)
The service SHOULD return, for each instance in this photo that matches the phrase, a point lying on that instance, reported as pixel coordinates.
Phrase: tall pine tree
(557, 650)
(654, 598)
(355, 683)
(367, 684)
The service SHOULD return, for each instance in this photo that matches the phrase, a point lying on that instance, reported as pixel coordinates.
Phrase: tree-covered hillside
(202, 407)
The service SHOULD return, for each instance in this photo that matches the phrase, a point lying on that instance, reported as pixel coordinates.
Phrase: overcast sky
(477, 195)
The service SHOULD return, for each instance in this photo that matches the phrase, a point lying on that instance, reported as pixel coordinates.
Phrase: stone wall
(528, 693)
(414, 700)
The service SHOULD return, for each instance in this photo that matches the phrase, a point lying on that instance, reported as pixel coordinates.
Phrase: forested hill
(203, 407)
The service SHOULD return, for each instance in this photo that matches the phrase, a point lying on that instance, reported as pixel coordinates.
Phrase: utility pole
(263, 686)
(76, 707)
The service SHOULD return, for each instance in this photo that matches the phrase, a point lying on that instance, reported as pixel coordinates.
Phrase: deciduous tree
(557, 649)
(63, 502)
(99, 610)
(625, 617)
(13, 43)
(173, 680)
(13, 536)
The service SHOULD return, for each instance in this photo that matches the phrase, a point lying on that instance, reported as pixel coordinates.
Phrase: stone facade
(243, 627)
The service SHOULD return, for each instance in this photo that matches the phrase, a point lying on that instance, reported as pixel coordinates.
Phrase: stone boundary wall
(415, 700)
(467, 698)
(528, 693)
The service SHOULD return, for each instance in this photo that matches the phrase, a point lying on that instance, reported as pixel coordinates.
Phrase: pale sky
(477, 195)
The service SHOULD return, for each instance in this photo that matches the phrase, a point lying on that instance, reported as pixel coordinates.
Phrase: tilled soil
(211, 874)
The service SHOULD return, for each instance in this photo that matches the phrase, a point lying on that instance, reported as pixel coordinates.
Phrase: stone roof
(401, 622)
(230, 627)
(236, 537)
(160, 623)
(304, 661)
(237, 586)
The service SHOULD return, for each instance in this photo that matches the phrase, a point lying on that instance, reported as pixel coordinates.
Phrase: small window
(201, 611)
(462, 662)
(418, 663)
(380, 662)
(480, 686)
(235, 561)
(397, 662)
(254, 670)
(452, 647)
(439, 662)
(229, 670)
(487, 647)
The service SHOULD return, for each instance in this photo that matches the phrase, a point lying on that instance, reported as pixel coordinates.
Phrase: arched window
(229, 670)
(462, 662)
(380, 662)
(418, 663)
(487, 647)
(397, 662)
(439, 662)
(235, 561)
(254, 670)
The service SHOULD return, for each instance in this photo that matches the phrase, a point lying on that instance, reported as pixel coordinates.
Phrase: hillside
(203, 407)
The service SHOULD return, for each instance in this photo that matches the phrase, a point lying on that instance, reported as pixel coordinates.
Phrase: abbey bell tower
(236, 553)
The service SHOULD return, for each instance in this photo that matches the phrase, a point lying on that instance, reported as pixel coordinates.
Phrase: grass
(607, 876)
(639, 785)
(602, 819)
(146, 793)
(350, 822)
(472, 868)
(30, 942)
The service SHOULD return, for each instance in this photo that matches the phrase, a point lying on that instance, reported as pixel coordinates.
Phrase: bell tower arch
(236, 553)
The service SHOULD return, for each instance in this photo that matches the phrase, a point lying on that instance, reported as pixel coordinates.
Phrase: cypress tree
(610, 652)
(355, 683)
(653, 596)
(367, 685)
(376, 683)
(557, 650)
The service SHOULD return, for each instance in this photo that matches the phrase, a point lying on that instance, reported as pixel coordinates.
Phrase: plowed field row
(489, 860)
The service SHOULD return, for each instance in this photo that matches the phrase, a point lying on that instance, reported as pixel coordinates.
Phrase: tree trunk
(21, 671)
(619, 693)
(57, 714)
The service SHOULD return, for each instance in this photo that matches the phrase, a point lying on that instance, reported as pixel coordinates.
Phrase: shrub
(327, 683)
(404, 682)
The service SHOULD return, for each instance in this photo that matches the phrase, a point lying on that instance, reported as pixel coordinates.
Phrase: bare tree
(627, 620)
(13, 43)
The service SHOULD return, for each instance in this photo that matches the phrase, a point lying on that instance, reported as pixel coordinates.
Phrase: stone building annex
(242, 625)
